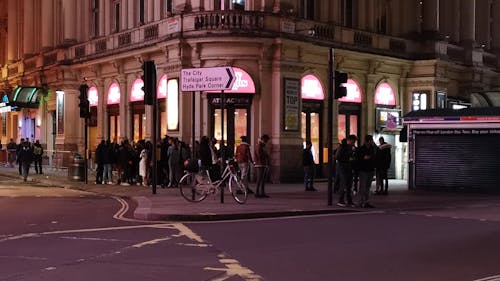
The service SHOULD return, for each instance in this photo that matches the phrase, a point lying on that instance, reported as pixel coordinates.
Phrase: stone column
(124, 112)
(150, 11)
(467, 23)
(430, 13)
(69, 12)
(130, 16)
(47, 24)
(28, 45)
(12, 32)
(101, 110)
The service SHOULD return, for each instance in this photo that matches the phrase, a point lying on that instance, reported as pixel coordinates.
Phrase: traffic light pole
(86, 146)
(331, 77)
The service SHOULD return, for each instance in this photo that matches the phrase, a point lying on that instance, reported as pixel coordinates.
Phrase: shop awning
(27, 96)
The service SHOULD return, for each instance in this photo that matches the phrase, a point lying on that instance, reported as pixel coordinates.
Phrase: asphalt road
(71, 235)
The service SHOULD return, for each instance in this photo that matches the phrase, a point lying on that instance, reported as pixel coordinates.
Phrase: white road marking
(90, 239)
(151, 242)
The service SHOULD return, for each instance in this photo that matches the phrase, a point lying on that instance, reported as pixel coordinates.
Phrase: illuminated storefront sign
(162, 87)
(93, 96)
(114, 94)
(384, 95)
(388, 118)
(173, 105)
(136, 93)
(353, 92)
(311, 88)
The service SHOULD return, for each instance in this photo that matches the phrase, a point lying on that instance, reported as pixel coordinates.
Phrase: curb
(146, 214)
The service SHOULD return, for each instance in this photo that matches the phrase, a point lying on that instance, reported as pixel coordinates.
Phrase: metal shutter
(468, 162)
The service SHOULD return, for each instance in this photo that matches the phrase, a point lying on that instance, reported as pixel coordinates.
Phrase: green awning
(27, 96)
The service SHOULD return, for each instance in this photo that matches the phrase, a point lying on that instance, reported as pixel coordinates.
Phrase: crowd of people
(356, 168)
(133, 161)
(24, 154)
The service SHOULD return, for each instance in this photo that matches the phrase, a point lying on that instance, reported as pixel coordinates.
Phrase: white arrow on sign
(207, 79)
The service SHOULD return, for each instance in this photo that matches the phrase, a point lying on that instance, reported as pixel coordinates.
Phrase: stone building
(399, 55)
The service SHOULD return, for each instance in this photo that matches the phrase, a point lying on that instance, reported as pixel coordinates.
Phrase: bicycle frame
(196, 186)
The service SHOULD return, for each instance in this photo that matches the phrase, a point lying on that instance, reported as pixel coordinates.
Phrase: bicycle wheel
(190, 188)
(237, 189)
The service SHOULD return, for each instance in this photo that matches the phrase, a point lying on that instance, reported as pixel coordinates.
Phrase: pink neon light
(353, 92)
(93, 96)
(114, 94)
(384, 95)
(311, 88)
(136, 93)
(162, 87)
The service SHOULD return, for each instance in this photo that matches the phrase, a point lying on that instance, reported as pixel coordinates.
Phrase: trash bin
(76, 170)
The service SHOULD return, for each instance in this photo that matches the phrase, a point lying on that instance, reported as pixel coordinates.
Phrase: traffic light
(340, 90)
(84, 104)
(149, 79)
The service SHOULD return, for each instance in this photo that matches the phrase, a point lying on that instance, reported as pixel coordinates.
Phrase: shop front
(161, 94)
(93, 97)
(388, 125)
(312, 95)
(350, 111)
(27, 102)
(113, 112)
(237, 110)
(137, 110)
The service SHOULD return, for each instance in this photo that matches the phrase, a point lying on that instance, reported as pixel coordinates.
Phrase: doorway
(236, 119)
(311, 130)
(348, 120)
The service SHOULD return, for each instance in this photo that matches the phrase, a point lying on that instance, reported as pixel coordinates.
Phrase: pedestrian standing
(25, 158)
(366, 162)
(308, 163)
(37, 157)
(383, 163)
(244, 158)
(18, 153)
(345, 158)
(144, 164)
(107, 161)
(174, 160)
(262, 166)
(99, 156)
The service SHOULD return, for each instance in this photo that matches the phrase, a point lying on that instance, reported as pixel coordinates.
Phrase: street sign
(207, 79)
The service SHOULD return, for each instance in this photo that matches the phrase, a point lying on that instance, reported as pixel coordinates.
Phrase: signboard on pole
(207, 79)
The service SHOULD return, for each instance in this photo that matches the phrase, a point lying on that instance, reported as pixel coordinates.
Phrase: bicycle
(195, 186)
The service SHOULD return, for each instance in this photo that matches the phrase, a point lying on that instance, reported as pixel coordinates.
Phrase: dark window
(117, 17)
(95, 18)
(307, 8)
(239, 5)
(347, 13)
(141, 12)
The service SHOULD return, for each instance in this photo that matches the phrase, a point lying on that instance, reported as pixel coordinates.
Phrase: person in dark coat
(308, 163)
(344, 156)
(37, 156)
(25, 158)
(99, 157)
(261, 166)
(366, 162)
(382, 164)
(18, 153)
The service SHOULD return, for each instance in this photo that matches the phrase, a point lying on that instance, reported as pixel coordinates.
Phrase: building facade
(400, 56)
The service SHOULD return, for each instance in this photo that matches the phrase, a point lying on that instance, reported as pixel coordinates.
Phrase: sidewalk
(285, 199)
